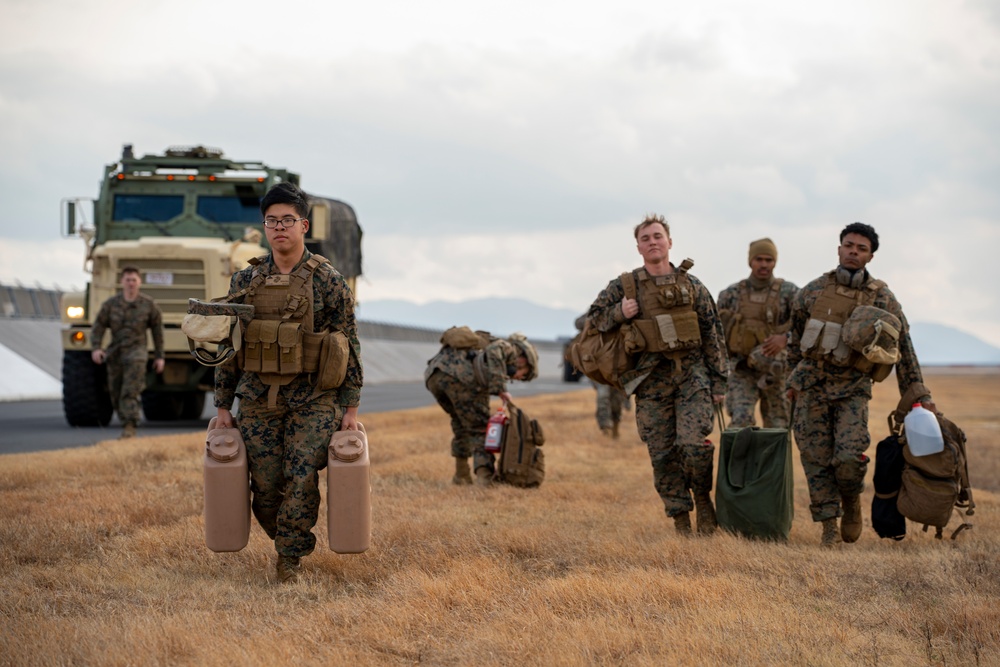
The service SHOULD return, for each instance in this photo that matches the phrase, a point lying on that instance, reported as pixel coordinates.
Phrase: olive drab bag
(464, 338)
(521, 461)
(602, 355)
(754, 487)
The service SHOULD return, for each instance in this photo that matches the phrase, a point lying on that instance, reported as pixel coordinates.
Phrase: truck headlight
(74, 312)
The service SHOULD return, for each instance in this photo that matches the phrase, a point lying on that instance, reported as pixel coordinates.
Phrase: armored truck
(187, 219)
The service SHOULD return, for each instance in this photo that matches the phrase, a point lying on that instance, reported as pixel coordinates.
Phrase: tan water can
(227, 490)
(349, 492)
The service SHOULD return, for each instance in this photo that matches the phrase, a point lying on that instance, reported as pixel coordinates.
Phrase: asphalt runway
(31, 426)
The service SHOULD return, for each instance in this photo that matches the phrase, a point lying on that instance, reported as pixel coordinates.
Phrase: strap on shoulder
(628, 284)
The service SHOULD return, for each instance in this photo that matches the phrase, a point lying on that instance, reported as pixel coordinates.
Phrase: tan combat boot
(128, 431)
(705, 512)
(484, 477)
(851, 524)
(682, 523)
(606, 432)
(831, 534)
(462, 473)
(288, 569)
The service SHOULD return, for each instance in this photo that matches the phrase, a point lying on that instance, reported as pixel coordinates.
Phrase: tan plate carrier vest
(756, 317)
(822, 340)
(280, 343)
(668, 322)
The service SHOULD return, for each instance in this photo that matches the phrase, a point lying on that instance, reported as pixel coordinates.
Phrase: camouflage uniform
(673, 408)
(287, 444)
(127, 354)
(831, 411)
(451, 379)
(748, 385)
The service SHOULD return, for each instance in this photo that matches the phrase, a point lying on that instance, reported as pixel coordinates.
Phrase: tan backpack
(522, 461)
(464, 338)
(601, 355)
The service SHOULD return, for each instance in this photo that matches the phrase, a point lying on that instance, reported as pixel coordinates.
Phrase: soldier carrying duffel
(848, 330)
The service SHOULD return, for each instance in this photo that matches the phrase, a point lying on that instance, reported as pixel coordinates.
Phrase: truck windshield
(229, 209)
(148, 208)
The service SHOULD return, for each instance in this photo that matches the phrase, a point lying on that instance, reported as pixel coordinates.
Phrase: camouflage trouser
(609, 405)
(742, 394)
(673, 417)
(126, 382)
(469, 409)
(286, 449)
(832, 436)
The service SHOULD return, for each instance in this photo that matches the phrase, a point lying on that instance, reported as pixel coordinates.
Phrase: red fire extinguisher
(494, 431)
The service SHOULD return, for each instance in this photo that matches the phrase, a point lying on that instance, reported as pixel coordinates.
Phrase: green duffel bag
(753, 491)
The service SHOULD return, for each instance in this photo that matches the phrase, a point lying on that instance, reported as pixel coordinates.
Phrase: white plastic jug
(923, 433)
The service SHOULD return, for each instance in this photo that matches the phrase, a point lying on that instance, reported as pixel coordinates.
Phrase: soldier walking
(462, 381)
(291, 403)
(680, 370)
(127, 315)
(756, 316)
(831, 383)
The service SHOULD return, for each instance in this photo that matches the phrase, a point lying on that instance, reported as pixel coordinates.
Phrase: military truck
(187, 220)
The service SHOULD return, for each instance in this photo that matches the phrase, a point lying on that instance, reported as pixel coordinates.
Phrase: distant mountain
(499, 316)
(940, 345)
(936, 344)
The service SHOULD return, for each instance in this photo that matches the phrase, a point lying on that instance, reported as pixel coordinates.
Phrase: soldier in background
(756, 316)
(462, 381)
(831, 383)
(680, 371)
(286, 417)
(128, 314)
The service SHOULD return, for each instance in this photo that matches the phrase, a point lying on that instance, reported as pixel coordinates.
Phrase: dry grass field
(102, 562)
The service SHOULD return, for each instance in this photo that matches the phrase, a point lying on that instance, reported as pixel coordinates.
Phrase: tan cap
(763, 246)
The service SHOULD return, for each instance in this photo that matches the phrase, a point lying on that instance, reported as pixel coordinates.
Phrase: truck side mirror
(69, 215)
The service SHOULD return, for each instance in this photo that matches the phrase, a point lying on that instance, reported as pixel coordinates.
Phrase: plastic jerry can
(349, 492)
(227, 489)
(494, 432)
(923, 432)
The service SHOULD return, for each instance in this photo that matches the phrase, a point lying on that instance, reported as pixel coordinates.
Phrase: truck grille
(171, 282)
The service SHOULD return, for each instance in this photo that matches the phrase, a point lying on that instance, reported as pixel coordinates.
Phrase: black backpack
(887, 479)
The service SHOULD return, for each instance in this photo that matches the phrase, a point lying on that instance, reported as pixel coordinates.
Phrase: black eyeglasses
(285, 223)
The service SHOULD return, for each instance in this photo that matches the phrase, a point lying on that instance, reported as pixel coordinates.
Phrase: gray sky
(507, 149)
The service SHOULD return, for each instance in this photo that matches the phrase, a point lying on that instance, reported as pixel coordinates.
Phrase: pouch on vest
(289, 348)
(743, 336)
(333, 356)
(679, 331)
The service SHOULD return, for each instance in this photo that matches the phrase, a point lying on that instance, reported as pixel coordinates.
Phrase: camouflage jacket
(333, 310)
(128, 321)
(729, 300)
(499, 355)
(837, 382)
(710, 359)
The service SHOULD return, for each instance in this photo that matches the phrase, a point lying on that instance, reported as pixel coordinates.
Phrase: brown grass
(102, 561)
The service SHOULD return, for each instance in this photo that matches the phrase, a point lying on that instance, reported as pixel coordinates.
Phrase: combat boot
(831, 533)
(606, 432)
(851, 524)
(462, 473)
(682, 523)
(128, 431)
(705, 512)
(288, 569)
(484, 476)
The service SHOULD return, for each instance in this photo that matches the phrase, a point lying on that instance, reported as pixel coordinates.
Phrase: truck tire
(162, 406)
(86, 401)
(194, 405)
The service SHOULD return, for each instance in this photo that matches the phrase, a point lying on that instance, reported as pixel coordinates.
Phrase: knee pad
(850, 473)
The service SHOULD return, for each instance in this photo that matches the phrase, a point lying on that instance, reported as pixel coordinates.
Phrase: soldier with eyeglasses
(288, 411)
